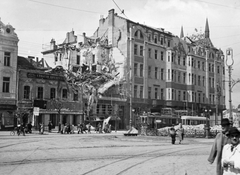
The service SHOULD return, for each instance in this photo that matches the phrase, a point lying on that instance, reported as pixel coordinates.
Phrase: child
(231, 153)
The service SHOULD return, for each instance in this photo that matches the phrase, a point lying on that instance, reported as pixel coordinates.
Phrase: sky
(36, 22)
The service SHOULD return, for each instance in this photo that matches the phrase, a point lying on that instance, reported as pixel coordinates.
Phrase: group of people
(226, 150)
(65, 128)
(177, 132)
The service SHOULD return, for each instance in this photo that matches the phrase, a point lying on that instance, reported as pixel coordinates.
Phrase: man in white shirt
(231, 153)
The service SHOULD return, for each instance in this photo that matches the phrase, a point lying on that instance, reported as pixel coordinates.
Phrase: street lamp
(207, 127)
(229, 63)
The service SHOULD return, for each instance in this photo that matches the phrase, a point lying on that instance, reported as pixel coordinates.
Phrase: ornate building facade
(8, 82)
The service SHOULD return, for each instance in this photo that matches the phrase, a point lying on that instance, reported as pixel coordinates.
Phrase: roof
(23, 63)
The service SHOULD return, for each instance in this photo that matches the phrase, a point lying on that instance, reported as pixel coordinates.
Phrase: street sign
(36, 111)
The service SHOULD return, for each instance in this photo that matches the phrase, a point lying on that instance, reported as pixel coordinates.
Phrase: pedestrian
(231, 153)
(49, 126)
(220, 140)
(180, 132)
(172, 132)
(59, 127)
(89, 128)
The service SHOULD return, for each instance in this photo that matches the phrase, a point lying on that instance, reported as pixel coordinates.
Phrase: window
(155, 39)
(136, 34)
(149, 52)
(184, 77)
(109, 109)
(162, 55)
(149, 37)
(135, 91)
(149, 92)
(7, 56)
(199, 65)
(141, 50)
(135, 49)
(168, 43)
(203, 81)
(156, 93)
(162, 74)
(168, 74)
(93, 58)
(78, 59)
(209, 67)
(179, 95)
(212, 68)
(149, 71)
(184, 61)
(179, 60)
(218, 69)
(6, 84)
(52, 93)
(199, 80)
(135, 69)
(156, 73)
(179, 77)
(199, 97)
(161, 41)
(103, 109)
(26, 93)
(141, 91)
(184, 95)
(141, 70)
(162, 91)
(141, 35)
(169, 56)
(156, 54)
(75, 96)
(40, 93)
(64, 93)
(203, 66)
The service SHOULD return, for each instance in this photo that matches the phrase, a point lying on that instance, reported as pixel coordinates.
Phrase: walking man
(217, 147)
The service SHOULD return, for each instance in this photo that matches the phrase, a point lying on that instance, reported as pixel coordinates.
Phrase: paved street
(102, 154)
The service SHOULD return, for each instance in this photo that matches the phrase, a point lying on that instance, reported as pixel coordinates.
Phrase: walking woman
(180, 132)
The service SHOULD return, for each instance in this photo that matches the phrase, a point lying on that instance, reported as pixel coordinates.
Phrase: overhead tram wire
(70, 8)
(122, 11)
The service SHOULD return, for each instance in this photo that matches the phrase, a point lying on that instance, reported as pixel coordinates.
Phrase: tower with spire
(207, 32)
(181, 34)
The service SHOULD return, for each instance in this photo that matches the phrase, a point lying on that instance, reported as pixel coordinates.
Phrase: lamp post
(229, 63)
(207, 127)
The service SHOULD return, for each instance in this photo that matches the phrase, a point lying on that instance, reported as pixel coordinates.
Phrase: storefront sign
(44, 76)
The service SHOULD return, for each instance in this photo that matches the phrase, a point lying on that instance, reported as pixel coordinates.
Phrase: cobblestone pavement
(102, 154)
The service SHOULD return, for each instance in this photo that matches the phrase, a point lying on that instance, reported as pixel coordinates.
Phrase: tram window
(188, 122)
(164, 120)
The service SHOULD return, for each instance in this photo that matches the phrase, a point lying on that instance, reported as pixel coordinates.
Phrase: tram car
(193, 120)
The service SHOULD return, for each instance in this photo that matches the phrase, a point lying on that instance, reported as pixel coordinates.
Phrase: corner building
(8, 83)
(166, 71)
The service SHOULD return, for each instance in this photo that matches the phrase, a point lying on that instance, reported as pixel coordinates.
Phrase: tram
(193, 120)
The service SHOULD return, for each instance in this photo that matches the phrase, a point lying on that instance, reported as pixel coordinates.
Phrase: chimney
(52, 44)
(111, 27)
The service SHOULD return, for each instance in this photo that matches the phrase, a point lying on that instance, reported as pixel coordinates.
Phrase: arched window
(136, 34)
(141, 35)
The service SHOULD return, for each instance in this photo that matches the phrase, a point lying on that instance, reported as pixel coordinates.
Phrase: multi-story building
(8, 82)
(160, 70)
(165, 70)
(48, 93)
